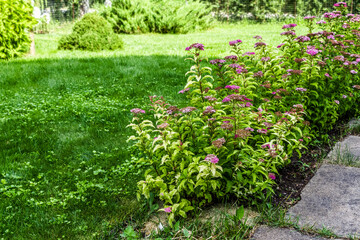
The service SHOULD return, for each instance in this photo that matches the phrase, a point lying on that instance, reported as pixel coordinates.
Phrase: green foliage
(220, 145)
(91, 33)
(247, 115)
(15, 23)
(159, 16)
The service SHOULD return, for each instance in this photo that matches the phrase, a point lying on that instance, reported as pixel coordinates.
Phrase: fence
(69, 10)
(64, 10)
(264, 9)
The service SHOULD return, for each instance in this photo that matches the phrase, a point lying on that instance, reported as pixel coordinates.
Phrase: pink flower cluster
(291, 25)
(235, 42)
(288, 33)
(212, 158)
(340, 4)
(232, 87)
(259, 44)
(302, 39)
(272, 176)
(184, 90)
(198, 46)
(312, 51)
(137, 111)
(301, 89)
(219, 62)
(248, 54)
(309, 17)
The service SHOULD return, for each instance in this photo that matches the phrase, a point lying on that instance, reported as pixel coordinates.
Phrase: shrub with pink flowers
(248, 113)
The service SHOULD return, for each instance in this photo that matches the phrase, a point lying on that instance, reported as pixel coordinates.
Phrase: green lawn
(65, 168)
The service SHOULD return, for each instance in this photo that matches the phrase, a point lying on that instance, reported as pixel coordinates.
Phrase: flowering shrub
(247, 114)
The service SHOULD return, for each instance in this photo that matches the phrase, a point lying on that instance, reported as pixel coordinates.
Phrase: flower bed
(248, 113)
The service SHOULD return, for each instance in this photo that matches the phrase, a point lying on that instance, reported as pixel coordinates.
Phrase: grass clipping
(92, 33)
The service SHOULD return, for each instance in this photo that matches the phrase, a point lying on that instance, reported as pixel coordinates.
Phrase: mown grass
(66, 170)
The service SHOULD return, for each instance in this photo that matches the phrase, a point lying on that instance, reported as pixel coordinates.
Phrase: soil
(294, 177)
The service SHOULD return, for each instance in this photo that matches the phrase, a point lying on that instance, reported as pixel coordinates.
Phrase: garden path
(331, 200)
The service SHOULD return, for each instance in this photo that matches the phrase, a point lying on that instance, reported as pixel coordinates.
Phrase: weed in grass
(344, 157)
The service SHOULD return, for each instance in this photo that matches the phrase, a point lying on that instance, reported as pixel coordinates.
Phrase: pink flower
(263, 131)
(241, 70)
(353, 72)
(249, 129)
(301, 140)
(287, 33)
(309, 17)
(198, 46)
(344, 96)
(321, 22)
(259, 44)
(272, 176)
(248, 104)
(301, 89)
(168, 209)
(231, 57)
(303, 39)
(312, 51)
(235, 42)
(248, 54)
(137, 111)
(226, 99)
(234, 65)
(340, 4)
(232, 87)
(212, 158)
(337, 101)
(279, 46)
(291, 25)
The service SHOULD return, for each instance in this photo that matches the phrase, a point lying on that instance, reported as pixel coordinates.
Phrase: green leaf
(240, 213)
(176, 227)
(186, 232)
(182, 213)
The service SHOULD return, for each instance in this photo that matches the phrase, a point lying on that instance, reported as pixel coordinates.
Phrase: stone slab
(331, 200)
(269, 233)
(350, 145)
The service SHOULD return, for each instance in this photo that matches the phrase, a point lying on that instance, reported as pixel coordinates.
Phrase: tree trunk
(84, 7)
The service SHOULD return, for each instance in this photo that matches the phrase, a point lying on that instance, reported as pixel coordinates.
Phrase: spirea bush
(158, 16)
(248, 114)
(15, 23)
(91, 33)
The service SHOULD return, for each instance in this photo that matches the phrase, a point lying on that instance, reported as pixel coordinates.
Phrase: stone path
(330, 201)
(269, 233)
